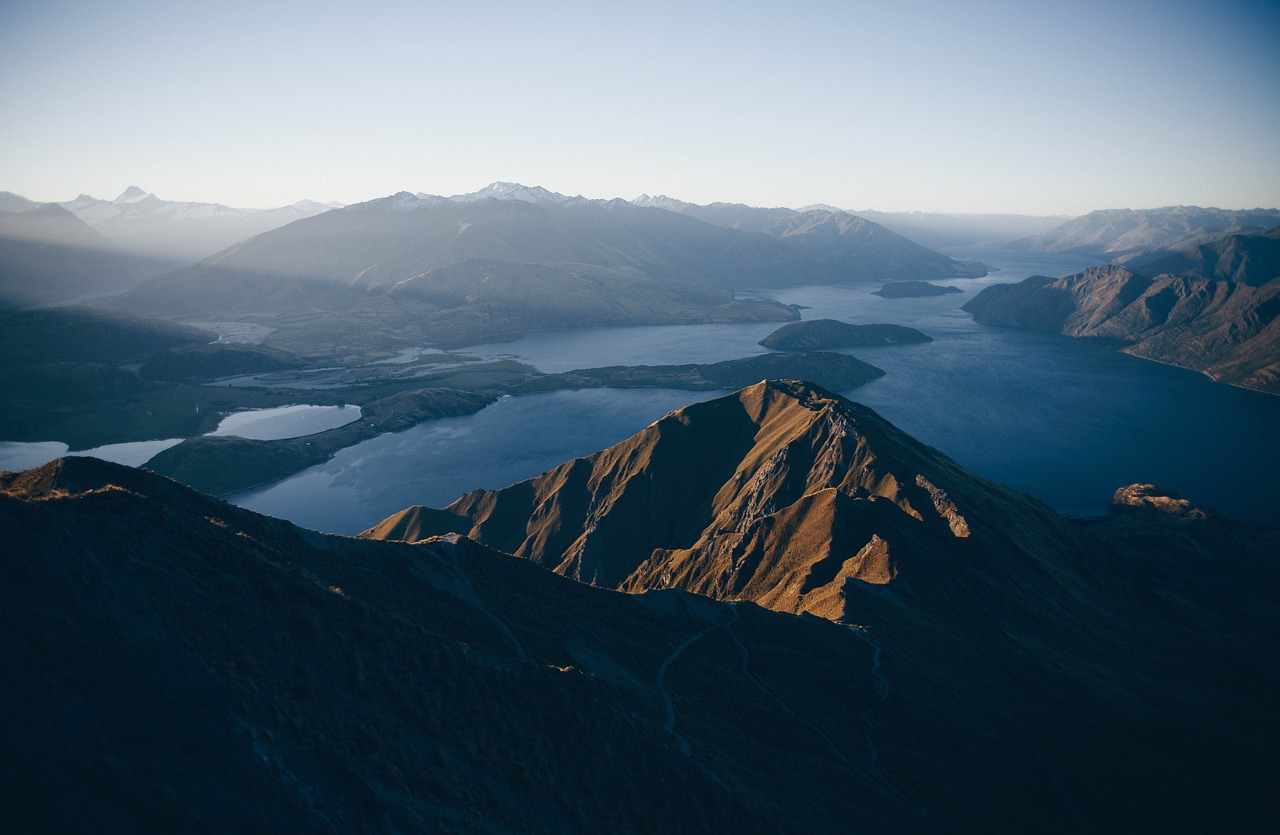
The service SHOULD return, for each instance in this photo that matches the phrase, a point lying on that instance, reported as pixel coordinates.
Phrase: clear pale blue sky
(992, 105)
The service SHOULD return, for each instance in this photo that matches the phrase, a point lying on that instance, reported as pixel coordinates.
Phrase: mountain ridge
(362, 263)
(785, 469)
(1212, 308)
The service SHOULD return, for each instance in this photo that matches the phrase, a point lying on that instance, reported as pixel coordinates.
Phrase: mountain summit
(133, 194)
(782, 493)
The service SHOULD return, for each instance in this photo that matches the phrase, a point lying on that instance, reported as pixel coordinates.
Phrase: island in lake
(821, 334)
(913, 290)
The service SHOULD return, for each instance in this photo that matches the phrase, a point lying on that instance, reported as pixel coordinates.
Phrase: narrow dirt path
(670, 725)
(882, 691)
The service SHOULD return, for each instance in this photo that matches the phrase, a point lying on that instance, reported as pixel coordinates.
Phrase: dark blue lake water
(1065, 421)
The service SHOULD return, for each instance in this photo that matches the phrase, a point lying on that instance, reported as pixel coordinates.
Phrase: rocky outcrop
(1147, 498)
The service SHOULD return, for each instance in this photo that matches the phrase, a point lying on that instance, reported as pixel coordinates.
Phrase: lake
(1065, 421)
(283, 422)
(259, 424)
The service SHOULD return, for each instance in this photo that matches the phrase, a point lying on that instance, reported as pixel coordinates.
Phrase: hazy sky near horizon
(992, 105)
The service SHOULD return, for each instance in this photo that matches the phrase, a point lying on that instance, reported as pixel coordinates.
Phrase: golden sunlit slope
(780, 494)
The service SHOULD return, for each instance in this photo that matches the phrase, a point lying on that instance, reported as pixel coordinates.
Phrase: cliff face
(1218, 314)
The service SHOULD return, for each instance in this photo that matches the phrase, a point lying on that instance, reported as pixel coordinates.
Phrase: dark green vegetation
(89, 378)
(60, 367)
(913, 290)
(817, 334)
(214, 361)
(186, 664)
(1212, 308)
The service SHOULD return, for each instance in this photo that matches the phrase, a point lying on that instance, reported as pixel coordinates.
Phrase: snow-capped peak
(133, 194)
(661, 201)
(516, 191)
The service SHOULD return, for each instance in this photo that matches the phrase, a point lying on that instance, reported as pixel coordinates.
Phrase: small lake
(16, 455)
(1063, 420)
(286, 422)
(257, 424)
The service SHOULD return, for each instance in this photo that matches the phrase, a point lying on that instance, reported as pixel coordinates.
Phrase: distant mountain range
(1135, 236)
(512, 258)
(931, 229)
(1212, 307)
(83, 249)
(975, 663)
(50, 256)
(138, 222)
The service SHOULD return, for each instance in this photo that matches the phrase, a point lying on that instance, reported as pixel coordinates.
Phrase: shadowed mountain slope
(1212, 308)
(1253, 260)
(185, 664)
(49, 256)
(427, 268)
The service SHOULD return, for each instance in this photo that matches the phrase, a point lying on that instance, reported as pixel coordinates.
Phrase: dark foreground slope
(178, 664)
(1212, 308)
(1130, 658)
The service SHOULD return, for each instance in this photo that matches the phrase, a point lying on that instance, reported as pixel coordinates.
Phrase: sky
(894, 105)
